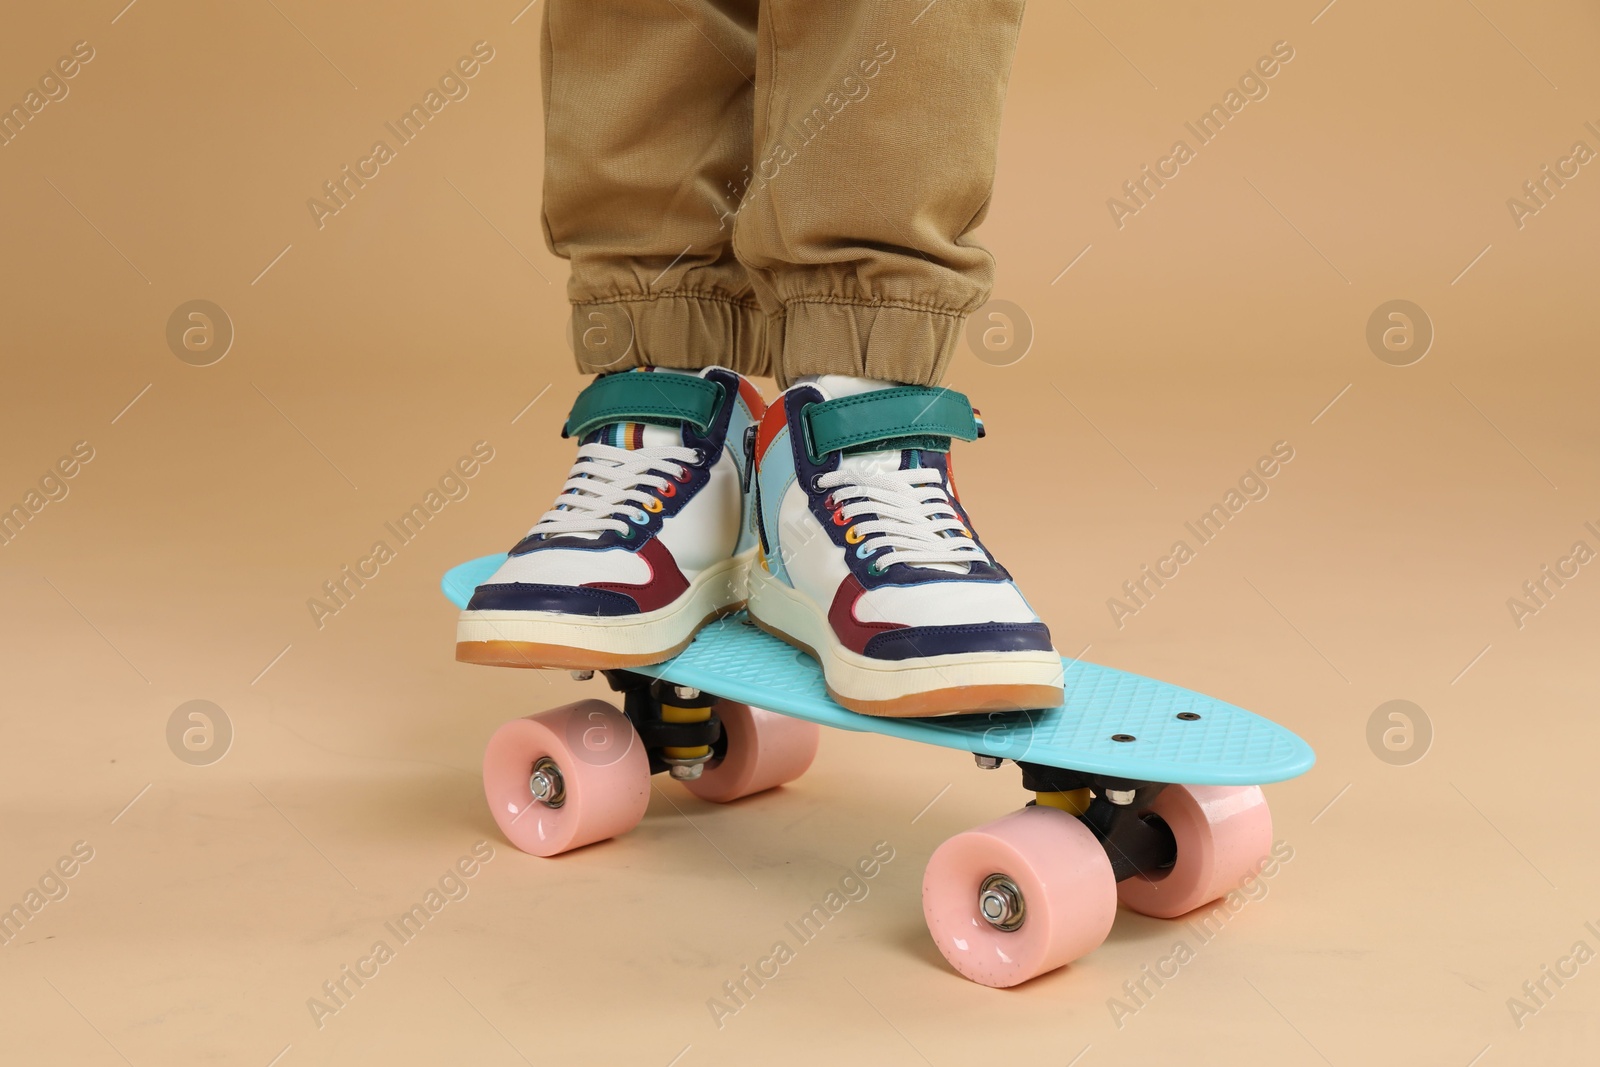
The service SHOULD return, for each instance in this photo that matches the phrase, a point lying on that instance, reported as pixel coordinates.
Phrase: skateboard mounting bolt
(685, 692)
(1120, 797)
(1188, 716)
(1000, 903)
(581, 676)
(988, 763)
(546, 783)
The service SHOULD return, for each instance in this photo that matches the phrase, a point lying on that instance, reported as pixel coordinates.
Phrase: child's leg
(875, 133)
(647, 135)
(876, 123)
(647, 117)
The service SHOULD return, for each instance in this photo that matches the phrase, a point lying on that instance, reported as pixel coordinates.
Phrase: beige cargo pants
(783, 187)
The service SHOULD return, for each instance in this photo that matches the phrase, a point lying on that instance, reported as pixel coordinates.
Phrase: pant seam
(669, 294)
(906, 305)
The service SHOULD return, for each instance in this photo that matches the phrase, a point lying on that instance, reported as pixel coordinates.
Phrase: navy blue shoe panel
(561, 599)
(918, 642)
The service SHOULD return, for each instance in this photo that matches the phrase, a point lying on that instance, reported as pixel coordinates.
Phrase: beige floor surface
(209, 904)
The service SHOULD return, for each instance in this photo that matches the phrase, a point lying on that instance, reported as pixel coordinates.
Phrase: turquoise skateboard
(1146, 793)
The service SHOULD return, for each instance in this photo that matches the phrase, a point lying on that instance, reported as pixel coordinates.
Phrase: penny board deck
(1225, 745)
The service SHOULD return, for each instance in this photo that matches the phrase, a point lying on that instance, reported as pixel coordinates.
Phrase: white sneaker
(650, 538)
(870, 563)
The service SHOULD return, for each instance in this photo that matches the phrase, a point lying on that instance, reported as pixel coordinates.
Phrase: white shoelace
(607, 482)
(914, 518)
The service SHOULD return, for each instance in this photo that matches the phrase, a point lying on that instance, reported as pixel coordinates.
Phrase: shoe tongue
(872, 462)
(634, 435)
(833, 387)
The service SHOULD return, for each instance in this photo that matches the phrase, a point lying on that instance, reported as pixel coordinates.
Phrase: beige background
(1227, 315)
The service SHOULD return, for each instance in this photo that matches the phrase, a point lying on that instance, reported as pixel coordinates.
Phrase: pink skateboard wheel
(1023, 895)
(1222, 834)
(587, 763)
(765, 749)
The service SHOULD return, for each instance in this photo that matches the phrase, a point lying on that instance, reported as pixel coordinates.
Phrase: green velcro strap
(926, 418)
(644, 396)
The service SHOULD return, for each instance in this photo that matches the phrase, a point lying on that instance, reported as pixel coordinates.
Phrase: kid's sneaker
(650, 538)
(870, 563)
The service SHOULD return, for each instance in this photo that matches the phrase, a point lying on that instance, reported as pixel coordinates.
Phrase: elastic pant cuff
(683, 330)
(890, 342)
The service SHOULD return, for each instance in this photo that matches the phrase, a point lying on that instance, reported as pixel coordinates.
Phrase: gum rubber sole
(530, 654)
(962, 700)
(956, 700)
